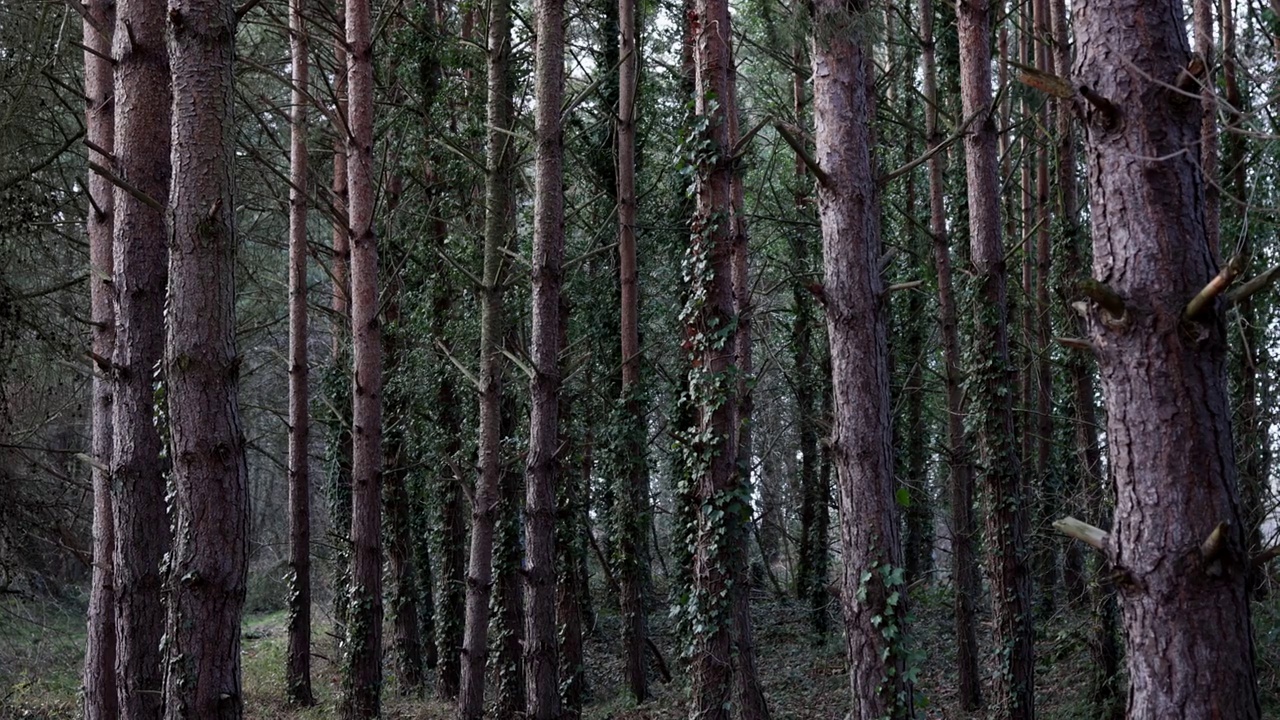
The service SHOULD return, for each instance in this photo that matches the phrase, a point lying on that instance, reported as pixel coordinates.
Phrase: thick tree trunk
(711, 319)
(873, 594)
(406, 638)
(508, 586)
(500, 156)
(364, 632)
(636, 493)
(298, 665)
(142, 105)
(964, 563)
(543, 468)
(100, 700)
(1007, 515)
(211, 539)
(570, 501)
(1177, 542)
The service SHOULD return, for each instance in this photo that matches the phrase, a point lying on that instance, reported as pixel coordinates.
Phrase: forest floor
(41, 646)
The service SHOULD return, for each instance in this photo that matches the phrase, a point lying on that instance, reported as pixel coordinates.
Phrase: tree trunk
(211, 538)
(873, 594)
(100, 699)
(632, 545)
(406, 639)
(1007, 515)
(811, 567)
(570, 501)
(142, 105)
(508, 586)
(1183, 573)
(710, 315)
(543, 468)
(748, 694)
(500, 156)
(298, 666)
(964, 564)
(364, 632)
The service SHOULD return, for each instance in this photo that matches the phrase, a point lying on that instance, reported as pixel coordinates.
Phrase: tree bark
(1184, 596)
(711, 318)
(543, 468)
(298, 666)
(100, 699)
(500, 157)
(1007, 515)
(211, 539)
(364, 632)
(873, 594)
(142, 136)
(964, 564)
(632, 548)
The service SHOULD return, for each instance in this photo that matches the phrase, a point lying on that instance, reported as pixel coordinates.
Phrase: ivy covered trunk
(1177, 543)
(710, 315)
(298, 665)
(992, 379)
(873, 594)
(206, 583)
(100, 700)
(142, 132)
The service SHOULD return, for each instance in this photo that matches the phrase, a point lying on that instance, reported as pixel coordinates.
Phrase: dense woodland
(616, 358)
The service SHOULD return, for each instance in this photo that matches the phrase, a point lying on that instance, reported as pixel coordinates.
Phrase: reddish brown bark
(211, 539)
(1000, 469)
(542, 470)
(364, 631)
(862, 431)
(716, 480)
(298, 665)
(1184, 597)
(142, 131)
(100, 700)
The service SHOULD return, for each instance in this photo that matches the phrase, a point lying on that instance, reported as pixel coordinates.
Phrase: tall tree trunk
(811, 567)
(500, 157)
(543, 468)
(748, 694)
(1202, 22)
(1007, 515)
(100, 700)
(964, 564)
(1184, 588)
(142, 135)
(363, 679)
(710, 315)
(407, 642)
(211, 538)
(873, 594)
(452, 518)
(636, 486)
(298, 666)
(570, 499)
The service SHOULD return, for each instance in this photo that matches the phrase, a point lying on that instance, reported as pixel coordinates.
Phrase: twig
(138, 195)
(805, 157)
(1216, 286)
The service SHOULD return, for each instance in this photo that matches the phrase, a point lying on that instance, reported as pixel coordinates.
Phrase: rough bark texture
(142, 104)
(500, 156)
(717, 486)
(542, 470)
(636, 496)
(964, 563)
(1185, 605)
(298, 665)
(570, 505)
(872, 590)
(1007, 514)
(211, 540)
(362, 697)
(100, 700)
